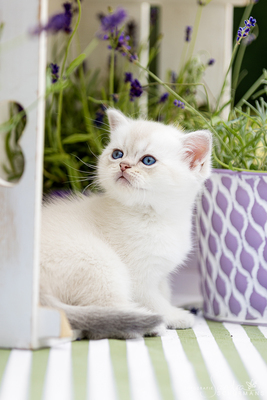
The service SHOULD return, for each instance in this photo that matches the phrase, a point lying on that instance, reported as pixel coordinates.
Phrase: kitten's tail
(107, 322)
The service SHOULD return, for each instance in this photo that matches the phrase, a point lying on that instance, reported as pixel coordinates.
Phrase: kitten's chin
(122, 180)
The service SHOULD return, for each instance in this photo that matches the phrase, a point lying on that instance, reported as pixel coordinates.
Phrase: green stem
(236, 71)
(195, 32)
(49, 124)
(111, 77)
(207, 2)
(183, 57)
(185, 84)
(252, 89)
(226, 75)
(60, 99)
(87, 116)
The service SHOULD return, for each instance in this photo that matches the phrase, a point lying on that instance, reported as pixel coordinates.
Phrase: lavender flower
(243, 32)
(128, 77)
(250, 22)
(174, 77)
(110, 22)
(164, 97)
(123, 44)
(188, 31)
(136, 89)
(133, 57)
(99, 118)
(178, 104)
(118, 40)
(211, 61)
(115, 97)
(57, 22)
(54, 72)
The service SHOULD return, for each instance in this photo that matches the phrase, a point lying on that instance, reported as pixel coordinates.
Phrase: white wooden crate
(22, 79)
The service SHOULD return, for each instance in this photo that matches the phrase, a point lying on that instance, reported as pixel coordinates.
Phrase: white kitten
(106, 258)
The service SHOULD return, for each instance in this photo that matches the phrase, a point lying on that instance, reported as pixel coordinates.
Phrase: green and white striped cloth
(211, 361)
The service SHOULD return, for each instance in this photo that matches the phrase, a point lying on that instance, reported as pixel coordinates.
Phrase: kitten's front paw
(179, 319)
(160, 330)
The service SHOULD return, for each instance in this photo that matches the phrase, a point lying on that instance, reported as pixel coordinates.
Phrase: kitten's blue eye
(117, 154)
(148, 160)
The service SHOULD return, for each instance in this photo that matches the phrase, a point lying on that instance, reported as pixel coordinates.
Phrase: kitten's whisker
(102, 123)
(90, 184)
(97, 157)
(78, 170)
(82, 178)
(87, 165)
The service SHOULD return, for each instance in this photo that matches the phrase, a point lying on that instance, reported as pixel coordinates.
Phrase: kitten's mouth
(123, 180)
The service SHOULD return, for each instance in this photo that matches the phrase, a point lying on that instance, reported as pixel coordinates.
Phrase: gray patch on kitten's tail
(106, 322)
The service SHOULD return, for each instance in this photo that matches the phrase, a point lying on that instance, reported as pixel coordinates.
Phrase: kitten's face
(147, 159)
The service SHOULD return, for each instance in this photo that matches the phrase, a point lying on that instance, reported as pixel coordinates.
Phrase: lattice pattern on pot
(232, 227)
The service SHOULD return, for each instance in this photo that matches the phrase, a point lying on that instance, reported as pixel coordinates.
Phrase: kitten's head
(147, 162)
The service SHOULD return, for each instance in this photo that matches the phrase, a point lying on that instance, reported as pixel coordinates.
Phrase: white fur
(118, 248)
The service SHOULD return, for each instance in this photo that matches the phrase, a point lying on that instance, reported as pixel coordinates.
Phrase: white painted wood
(22, 79)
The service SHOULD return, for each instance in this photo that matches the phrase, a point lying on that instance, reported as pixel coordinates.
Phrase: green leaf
(60, 157)
(75, 63)
(56, 87)
(76, 138)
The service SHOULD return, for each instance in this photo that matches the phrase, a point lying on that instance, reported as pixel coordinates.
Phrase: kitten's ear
(116, 118)
(197, 148)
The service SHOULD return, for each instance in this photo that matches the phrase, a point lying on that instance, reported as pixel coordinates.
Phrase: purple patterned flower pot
(231, 231)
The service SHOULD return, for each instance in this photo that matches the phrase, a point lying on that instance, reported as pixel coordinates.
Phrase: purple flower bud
(174, 77)
(115, 97)
(164, 97)
(133, 57)
(188, 31)
(128, 77)
(110, 22)
(243, 32)
(136, 89)
(179, 104)
(54, 72)
(57, 22)
(99, 118)
(211, 61)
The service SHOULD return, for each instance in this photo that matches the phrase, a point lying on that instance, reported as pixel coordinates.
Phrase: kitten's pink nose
(124, 166)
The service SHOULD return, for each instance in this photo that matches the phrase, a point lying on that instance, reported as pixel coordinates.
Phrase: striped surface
(212, 360)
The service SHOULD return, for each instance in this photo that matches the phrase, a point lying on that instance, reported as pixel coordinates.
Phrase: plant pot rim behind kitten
(106, 258)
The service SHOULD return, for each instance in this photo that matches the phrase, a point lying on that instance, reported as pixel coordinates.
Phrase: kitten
(106, 258)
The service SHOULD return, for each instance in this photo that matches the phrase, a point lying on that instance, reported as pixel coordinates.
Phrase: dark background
(255, 58)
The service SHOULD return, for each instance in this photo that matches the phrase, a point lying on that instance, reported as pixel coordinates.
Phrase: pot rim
(230, 172)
